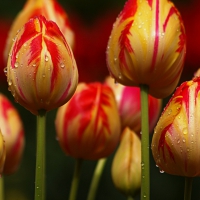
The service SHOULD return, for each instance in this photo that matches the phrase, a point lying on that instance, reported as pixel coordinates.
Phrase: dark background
(92, 22)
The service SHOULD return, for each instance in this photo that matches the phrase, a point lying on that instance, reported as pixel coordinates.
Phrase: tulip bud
(147, 46)
(2, 152)
(129, 106)
(13, 132)
(176, 142)
(41, 70)
(126, 166)
(88, 126)
(50, 9)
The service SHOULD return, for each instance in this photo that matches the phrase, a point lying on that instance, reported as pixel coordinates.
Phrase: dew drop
(62, 65)
(9, 82)
(16, 65)
(161, 171)
(34, 65)
(46, 58)
(43, 75)
(185, 132)
(5, 70)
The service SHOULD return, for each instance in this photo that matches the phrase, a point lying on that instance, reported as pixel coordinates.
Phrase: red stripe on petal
(156, 42)
(35, 49)
(29, 32)
(55, 57)
(171, 12)
(125, 44)
(129, 10)
(6, 105)
(150, 2)
(163, 143)
(65, 94)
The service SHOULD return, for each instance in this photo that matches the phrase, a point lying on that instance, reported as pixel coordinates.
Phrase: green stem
(75, 180)
(40, 157)
(188, 188)
(96, 178)
(145, 176)
(1, 188)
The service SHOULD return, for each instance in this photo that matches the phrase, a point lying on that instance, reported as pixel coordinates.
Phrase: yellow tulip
(126, 166)
(176, 142)
(41, 70)
(88, 126)
(147, 46)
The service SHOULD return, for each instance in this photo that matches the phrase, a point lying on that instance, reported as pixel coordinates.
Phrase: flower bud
(88, 126)
(147, 46)
(41, 70)
(2, 152)
(13, 133)
(176, 142)
(50, 9)
(129, 106)
(126, 166)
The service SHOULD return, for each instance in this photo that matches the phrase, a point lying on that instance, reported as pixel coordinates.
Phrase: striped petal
(41, 69)
(147, 46)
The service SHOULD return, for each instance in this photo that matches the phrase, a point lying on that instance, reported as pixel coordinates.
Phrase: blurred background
(92, 22)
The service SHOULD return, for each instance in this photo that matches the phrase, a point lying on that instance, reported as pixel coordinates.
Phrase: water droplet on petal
(161, 171)
(9, 82)
(5, 70)
(16, 65)
(46, 58)
(62, 65)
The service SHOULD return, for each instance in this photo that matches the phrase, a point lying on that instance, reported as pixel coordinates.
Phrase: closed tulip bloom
(13, 133)
(147, 46)
(88, 126)
(129, 106)
(2, 152)
(50, 9)
(176, 142)
(41, 70)
(126, 166)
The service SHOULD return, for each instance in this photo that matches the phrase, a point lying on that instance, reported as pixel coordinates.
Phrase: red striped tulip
(88, 126)
(41, 70)
(50, 9)
(147, 46)
(126, 166)
(13, 133)
(129, 106)
(2, 152)
(176, 141)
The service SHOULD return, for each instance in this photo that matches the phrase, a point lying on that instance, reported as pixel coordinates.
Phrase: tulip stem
(96, 178)
(188, 188)
(40, 157)
(145, 167)
(75, 180)
(1, 188)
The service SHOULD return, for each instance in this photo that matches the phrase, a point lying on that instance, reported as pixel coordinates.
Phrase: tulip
(41, 70)
(176, 142)
(2, 152)
(13, 133)
(88, 126)
(50, 9)
(126, 166)
(129, 106)
(147, 46)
